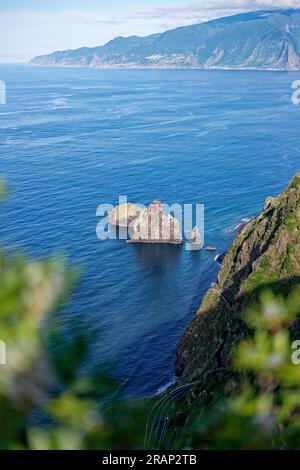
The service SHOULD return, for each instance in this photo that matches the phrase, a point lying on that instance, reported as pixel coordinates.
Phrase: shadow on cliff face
(209, 376)
(204, 360)
(282, 287)
(210, 339)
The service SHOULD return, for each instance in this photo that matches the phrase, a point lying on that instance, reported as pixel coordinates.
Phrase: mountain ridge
(265, 39)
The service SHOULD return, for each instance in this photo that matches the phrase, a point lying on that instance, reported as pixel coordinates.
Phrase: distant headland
(261, 40)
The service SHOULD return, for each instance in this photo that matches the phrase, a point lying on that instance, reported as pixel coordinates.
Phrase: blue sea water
(72, 139)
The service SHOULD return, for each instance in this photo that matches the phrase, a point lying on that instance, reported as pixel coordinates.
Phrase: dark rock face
(265, 254)
(257, 40)
(220, 258)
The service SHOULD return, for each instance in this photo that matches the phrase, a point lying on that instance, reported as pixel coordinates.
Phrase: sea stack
(196, 239)
(154, 226)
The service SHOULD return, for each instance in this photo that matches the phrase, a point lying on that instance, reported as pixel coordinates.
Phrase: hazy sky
(33, 27)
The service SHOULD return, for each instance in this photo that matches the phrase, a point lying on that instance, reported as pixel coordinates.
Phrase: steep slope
(89, 56)
(266, 253)
(257, 40)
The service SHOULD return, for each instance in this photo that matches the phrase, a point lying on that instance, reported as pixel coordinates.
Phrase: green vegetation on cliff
(260, 401)
(254, 40)
(265, 258)
(265, 254)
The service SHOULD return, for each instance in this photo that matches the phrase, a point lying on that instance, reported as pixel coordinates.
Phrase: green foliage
(36, 381)
(44, 402)
(264, 411)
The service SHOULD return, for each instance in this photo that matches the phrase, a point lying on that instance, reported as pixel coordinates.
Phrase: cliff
(265, 254)
(257, 40)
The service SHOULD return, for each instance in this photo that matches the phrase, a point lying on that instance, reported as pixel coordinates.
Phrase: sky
(34, 27)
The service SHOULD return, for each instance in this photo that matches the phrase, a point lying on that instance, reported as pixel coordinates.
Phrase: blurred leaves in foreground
(264, 410)
(46, 404)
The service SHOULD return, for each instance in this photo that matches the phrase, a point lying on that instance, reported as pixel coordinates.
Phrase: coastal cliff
(266, 254)
(266, 40)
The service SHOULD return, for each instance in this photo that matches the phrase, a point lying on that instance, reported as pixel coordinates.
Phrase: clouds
(25, 34)
(201, 11)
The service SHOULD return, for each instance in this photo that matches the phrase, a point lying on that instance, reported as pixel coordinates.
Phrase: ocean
(72, 139)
